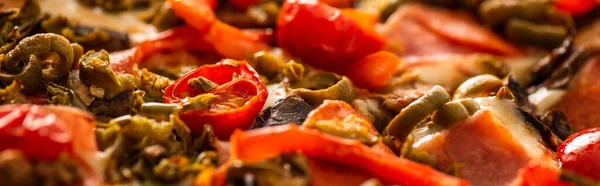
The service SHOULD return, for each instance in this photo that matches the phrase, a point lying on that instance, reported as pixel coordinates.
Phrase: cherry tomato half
(581, 153)
(240, 93)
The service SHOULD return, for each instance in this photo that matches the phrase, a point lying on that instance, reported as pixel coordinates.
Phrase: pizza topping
(388, 92)
(578, 153)
(240, 95)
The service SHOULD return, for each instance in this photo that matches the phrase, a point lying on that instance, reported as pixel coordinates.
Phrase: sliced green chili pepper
(199, 102)
(293, 71)
(470, 104)
(159, 111)
(31, 74)
(153, 83)
(372, 110)
(450, 113)
(127, 83)
(12, 94)
(137, 101)
(496, 12)
(201, 84)
(165, 18)
(488, 64)
(264, 13)
(341, 88)
(267, 64)
(78, 52)
(401, 126)
(95, 70)
(42, 43)
(64, 96)
(543, 35)
(478, 86)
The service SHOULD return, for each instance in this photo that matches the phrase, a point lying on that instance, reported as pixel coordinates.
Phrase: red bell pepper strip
(184, 37)
(231, 42)
(323, 37)
(43, 133)
(197, 13)
(538, 173)
(373, 71)
(260, 144)
(575, 7)
(234, 82)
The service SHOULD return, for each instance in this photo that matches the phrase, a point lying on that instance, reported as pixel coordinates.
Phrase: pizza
(299, 92)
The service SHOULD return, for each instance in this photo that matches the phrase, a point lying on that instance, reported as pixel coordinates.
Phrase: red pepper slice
(197, 13)
(374, 70)
(537, 173)
(184, 37)
(235, 81)
(259, 144)
(322, 36)
(575, 7)
(231, 42)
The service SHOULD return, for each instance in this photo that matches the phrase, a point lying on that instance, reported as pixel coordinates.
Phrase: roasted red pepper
(260, 144)
(538, 173)
(575, 7)
(580, 152)
(197, 13)
(373, 71)
(322, 36)
(237, 82)
(184, 37)
(231, 42)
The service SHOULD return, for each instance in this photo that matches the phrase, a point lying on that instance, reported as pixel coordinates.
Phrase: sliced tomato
(580, 152)
(575, 7)
(264, 143)
(322, 36)
(236, 82)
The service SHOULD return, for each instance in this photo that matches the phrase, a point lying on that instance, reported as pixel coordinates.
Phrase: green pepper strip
(64, 96)
(496, 12)
(42, 43)
(403, 124)
(95, 70)
(342, 90)
(450, 113)
(32, 74)
(478, 86)
(543, 35)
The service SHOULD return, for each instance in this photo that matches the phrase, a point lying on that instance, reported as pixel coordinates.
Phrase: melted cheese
(543, 98)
